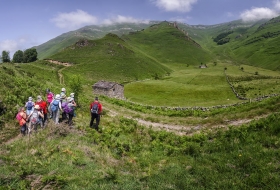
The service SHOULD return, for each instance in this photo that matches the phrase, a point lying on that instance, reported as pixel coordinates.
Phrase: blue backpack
(94, 108)
(54, 105)
(29, 105)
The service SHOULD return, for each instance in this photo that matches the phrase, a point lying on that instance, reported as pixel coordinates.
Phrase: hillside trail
(188, 130)
(60, 75)
(59, 72)
(13, 139)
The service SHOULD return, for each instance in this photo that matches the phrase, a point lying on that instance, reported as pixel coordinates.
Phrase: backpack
(94, 108)
(66, 108)
(54, 105)
(50, 96)
(34, 117)
(18, 116)
(29, 105)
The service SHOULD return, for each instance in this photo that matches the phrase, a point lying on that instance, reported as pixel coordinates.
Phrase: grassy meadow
(186, 87)
(126, 155)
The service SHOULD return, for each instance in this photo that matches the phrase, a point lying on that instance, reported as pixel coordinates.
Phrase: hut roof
(104, 84)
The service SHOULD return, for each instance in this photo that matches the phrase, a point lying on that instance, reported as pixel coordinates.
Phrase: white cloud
(277, 4)
(14, 45)
(74, 20)
(175, 5)
(9, 45)
(123, 19)
(258, 13)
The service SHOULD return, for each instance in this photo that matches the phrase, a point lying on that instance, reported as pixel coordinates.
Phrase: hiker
(68, 108)
(63, 92)
(34, 119)
(43, 108)
(29, 106)
(72, 95)
(50, 97)
(63, 99)
(22, 117)
(55, 108)
(95, 110)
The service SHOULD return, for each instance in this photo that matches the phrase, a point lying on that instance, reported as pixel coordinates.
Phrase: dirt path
(60, 75)
(66, 64)
(61, 78)
(59, 72)
(186, 130)
(13, 139)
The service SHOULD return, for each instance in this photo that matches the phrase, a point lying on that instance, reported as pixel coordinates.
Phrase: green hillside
(248, 42)
(261, 48)
(88, 32)
(168, 44)
(253, 43)
(109, 58)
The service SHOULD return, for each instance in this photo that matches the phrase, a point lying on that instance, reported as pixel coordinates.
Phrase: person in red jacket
(43, 108)
(95, 110)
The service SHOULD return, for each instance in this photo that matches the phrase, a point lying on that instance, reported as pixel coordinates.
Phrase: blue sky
(26, 23)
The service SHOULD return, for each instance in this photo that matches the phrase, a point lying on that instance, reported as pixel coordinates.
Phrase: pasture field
(187, 86)
(192, 86)
(253, 82)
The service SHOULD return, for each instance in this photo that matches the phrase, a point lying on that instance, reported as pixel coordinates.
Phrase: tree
(30, 55)
(18, 57)
(76, 86)
(6, 56)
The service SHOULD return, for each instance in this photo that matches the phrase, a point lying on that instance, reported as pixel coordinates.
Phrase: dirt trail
(13, 139)
(60, 75)
(59, 63)
(186, 130)
(61, 78)
(59, 72)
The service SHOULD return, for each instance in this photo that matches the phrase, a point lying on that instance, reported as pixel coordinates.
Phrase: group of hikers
(35, 113)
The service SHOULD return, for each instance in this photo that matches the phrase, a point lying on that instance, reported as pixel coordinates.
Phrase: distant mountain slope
(109, 58)
(88, 32)
(168, 44)
(254, 43)
(260, 48)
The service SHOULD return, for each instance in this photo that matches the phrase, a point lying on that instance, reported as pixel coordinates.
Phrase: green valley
(201, 109)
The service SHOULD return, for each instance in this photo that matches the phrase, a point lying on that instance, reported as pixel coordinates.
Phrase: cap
(63, 90)
(72, 95)
(37, 107)
(39, 97)
(69, 99)
(30, 99)
(57, 96)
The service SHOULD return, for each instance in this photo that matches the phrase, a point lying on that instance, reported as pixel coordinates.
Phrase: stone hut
(203, 66)
(110, 89)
